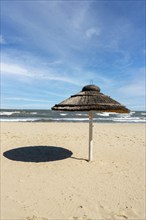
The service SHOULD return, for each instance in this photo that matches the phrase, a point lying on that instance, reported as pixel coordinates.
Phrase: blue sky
(51, 49)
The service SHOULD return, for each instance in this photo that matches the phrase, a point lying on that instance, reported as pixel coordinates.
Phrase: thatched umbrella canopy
(91, 99)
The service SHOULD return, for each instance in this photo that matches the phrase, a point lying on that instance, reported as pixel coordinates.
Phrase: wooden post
(90, 135)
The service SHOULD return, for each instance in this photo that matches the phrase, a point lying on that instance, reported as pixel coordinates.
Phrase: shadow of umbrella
(37, 154)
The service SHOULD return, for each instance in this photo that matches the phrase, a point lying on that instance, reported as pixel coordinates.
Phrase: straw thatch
(90, 99)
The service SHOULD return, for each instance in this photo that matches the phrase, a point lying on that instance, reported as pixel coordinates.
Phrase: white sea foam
(18, 119)
(33, 113)
(143, 113)
(70, 119)
(80, 114)
(105, 114)
(131, 113)
(9, 113)
(41, 119)
(134, 119)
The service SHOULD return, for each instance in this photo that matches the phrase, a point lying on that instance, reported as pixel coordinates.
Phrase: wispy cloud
(80, 15)
(92, 31)
(2, 40)
(35, 73)
(27, 99)
(13, 69)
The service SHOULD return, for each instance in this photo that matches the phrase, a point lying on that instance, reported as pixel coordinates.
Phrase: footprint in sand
(122, 214)
(126, 214)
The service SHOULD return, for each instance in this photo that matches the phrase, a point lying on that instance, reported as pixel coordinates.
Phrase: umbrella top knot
(91, 88)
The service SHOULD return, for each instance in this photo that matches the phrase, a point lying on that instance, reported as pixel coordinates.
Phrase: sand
(37, 184)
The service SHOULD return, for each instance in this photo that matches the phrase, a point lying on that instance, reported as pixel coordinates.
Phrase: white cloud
(13, 69)
(27, 99)
(92, 31)
(80, 14)
(59, 78)
(35, 73)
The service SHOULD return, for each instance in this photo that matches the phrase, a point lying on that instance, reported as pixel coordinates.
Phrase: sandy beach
(45, 174)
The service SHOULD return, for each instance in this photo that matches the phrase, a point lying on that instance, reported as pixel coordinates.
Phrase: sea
(23, 115)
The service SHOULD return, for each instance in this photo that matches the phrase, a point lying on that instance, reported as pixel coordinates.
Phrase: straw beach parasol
(91, 99)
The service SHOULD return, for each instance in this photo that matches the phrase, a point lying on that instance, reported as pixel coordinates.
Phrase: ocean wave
(63, 114)
(131, 113)
(41, 119)
(81, 114)
(51, 116)
(72, 119)
(33, 113)
(143, 113)
(128, 119)
(19, 119)
(105, 114)
(8, 113)
(121, 120)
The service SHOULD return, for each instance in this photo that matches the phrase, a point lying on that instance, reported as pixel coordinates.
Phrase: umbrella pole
(90, 135)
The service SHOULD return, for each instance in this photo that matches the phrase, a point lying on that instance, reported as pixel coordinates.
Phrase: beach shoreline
(17, 115)
(64, 185)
